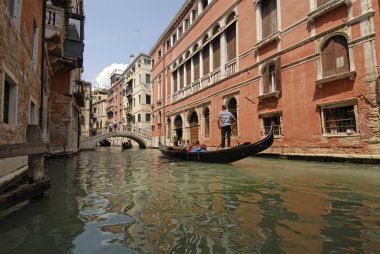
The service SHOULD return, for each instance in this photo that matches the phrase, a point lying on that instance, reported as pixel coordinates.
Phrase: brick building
(309, 66)
(21, 26)
(65, 36)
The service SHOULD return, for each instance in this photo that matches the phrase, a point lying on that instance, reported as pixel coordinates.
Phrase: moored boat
(221, 156)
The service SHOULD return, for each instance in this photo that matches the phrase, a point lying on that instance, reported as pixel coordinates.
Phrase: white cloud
(103, 79)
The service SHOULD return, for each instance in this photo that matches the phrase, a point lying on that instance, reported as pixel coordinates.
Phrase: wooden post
(36, 170)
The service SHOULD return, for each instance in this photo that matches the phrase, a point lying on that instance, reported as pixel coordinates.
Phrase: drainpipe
(164, 90)
(42, 85)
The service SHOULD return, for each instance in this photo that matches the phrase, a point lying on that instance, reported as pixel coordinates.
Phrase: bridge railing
(142, 131)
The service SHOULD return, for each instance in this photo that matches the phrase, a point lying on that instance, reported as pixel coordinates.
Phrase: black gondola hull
(222, 156)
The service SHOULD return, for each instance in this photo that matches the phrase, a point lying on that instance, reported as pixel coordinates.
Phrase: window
(269, 17)
(138, 117)
(181, 77)
(194, 14)
(276, 119)
(139, 99)
(159, 54)
(206, 59)
(147, 117)
(175, 79)
(188, 72)
(9, 102)
(179, 31)
(207, 122)
(147, 99)
(339, 120)
(204, 4)
(196, 66)
(216, 52)
(334, 55)
(231, 42)
(147, 78)
(73, 30)
(168, 44)
(271, 81)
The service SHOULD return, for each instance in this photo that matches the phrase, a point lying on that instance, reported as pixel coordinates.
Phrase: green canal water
(136, 201)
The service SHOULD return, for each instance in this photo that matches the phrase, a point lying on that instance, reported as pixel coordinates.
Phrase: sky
(115, 29)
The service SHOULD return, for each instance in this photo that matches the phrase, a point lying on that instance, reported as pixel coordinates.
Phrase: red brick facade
(310, 67)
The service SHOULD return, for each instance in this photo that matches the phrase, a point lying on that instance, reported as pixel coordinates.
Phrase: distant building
(115, 101)
(311, 67)
(86, 111)
(136, 91)
(99, 115)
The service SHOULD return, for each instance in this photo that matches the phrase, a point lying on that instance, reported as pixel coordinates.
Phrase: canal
(136, 201)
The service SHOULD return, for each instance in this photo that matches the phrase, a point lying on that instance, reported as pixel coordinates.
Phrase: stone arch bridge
(143, 139)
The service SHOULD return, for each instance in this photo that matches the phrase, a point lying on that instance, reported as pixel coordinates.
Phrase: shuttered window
(196, 66)
(272, 77)
(216, 52)
(206, 59)
(335, 56)
(181, 77)
(269, 17)
(175, 80)
(188, 72)
(231, 42)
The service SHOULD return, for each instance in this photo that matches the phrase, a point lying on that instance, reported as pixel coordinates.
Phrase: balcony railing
(215, 75)
(208, 79)
(231, 67)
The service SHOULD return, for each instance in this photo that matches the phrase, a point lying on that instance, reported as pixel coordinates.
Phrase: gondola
(126, 145)
(222, 156)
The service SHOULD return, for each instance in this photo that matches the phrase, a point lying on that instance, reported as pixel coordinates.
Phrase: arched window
(207, 122)
(196, 66)
(188, 72)
(178, 127)
(231, 41)
(232, 107)
(175, 81)
(216, 52)
(206, 59)
(334, 55)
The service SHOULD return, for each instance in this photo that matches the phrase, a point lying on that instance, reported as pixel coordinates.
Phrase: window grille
(339, 120)
(277, 124)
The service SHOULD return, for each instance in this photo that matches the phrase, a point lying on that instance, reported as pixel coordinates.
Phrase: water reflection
(135, 201)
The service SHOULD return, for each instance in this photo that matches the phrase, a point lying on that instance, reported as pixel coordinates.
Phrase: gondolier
(224, 124)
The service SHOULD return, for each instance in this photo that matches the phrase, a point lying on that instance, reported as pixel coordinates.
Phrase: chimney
(132, 56)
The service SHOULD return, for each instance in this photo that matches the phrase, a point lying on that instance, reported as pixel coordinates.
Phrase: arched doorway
(178, 127)
(232, 107)
(194, 134)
